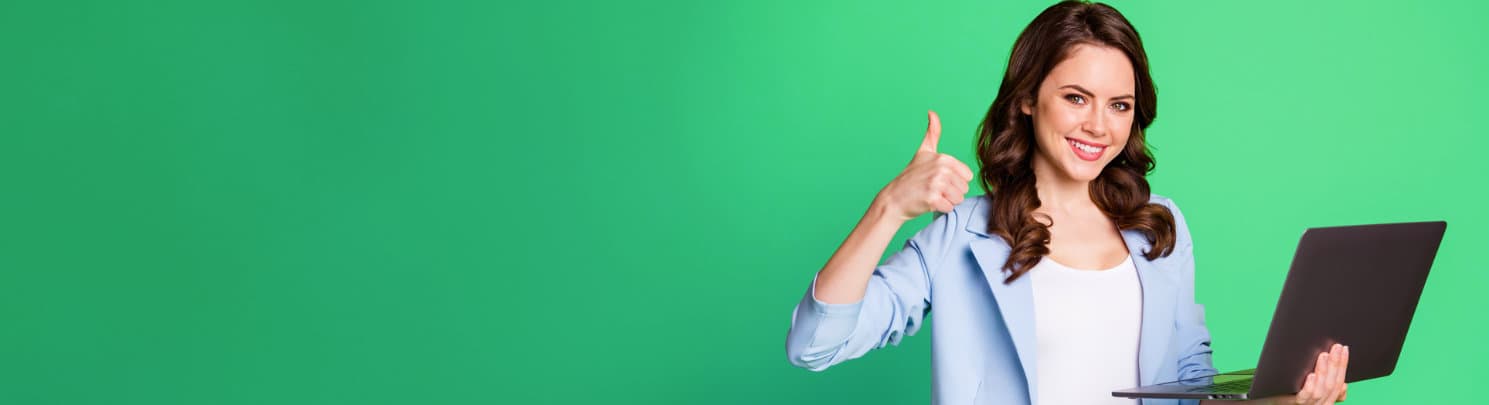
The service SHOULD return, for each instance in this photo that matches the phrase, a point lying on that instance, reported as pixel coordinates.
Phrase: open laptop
(1353, 285)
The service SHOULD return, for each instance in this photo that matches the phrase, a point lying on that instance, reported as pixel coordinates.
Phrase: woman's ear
(1027, 106)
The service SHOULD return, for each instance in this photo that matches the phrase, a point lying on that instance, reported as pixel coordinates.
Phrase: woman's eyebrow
(1088, 93)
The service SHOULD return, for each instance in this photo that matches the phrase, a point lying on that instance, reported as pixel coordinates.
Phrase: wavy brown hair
(1006, 146)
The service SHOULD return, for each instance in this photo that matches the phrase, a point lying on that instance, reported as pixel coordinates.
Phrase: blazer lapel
(1015, 302)
(1159, 296)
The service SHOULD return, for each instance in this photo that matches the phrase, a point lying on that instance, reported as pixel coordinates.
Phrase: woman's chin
(1084, 171)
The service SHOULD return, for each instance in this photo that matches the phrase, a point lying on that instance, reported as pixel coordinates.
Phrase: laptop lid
(1353, 285)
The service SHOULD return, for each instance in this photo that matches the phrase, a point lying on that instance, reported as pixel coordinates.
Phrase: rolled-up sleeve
(895, 303)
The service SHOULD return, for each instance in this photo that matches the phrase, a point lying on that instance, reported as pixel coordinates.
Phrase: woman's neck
(1057, 192)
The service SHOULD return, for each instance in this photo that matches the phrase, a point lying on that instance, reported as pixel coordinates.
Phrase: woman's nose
(1095, 123)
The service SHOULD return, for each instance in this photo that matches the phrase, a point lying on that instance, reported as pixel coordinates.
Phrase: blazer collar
(1016, 300)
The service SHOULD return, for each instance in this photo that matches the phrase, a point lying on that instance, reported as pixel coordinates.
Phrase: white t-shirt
(1086, 325)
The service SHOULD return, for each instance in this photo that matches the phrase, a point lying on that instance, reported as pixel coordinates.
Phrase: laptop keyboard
(1228, 386)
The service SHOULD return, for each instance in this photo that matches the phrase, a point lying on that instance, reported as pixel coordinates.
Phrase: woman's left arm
(1324, 386)
(1190, 333)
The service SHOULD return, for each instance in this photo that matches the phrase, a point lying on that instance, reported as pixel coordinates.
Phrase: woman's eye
(1075, 99)
(1121, 106)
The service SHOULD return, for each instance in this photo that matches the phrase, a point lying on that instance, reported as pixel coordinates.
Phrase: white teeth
(1084, 147)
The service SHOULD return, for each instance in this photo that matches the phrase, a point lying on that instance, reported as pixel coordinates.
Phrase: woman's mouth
(1087, 151)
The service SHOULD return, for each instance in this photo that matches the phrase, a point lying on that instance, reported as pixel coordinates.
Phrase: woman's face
(1083, 113)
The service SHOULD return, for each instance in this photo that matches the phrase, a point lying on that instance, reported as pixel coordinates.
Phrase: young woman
(1066, 279)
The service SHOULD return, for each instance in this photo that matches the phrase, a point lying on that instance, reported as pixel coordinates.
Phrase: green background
(258, 202)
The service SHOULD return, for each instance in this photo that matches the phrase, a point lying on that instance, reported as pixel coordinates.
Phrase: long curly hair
(1006, 145)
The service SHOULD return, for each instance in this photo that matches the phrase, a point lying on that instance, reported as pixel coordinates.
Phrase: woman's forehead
(1103, 70)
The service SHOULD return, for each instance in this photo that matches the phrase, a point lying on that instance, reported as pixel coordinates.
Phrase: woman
(1066, 280)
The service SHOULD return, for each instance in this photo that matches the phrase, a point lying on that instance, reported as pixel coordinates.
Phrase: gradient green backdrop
(359, 202)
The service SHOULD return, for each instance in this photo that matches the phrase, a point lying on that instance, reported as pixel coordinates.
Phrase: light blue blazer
(982, 343)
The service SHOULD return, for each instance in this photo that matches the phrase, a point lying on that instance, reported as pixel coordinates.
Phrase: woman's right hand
(932, 180)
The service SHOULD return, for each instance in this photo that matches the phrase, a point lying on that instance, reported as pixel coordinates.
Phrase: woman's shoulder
(970, 215)
(956, 227)
(1173, 208)
(1159, 199)
(1181, 226)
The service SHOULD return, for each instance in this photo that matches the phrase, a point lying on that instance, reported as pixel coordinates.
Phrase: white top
(1086, 325)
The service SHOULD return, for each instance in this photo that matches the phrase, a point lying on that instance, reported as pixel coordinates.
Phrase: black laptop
(1352, 285)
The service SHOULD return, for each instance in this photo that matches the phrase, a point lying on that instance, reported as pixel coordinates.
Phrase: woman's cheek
(1066, 122)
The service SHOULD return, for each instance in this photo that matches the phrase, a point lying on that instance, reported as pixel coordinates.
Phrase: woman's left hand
(1325, 385)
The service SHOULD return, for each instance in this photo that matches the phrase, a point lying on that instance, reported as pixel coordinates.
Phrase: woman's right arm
(853, 307)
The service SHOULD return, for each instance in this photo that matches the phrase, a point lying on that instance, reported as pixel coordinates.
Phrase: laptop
(1353, 285)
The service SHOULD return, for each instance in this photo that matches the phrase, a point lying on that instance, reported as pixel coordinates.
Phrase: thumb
(932, 133)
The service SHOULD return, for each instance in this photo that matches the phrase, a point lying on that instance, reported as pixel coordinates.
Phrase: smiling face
(1083, 113)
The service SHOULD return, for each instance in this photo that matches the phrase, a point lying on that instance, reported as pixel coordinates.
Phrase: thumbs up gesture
(932, 180)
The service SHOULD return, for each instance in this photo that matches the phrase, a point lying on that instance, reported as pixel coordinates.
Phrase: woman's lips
(1087, 151)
